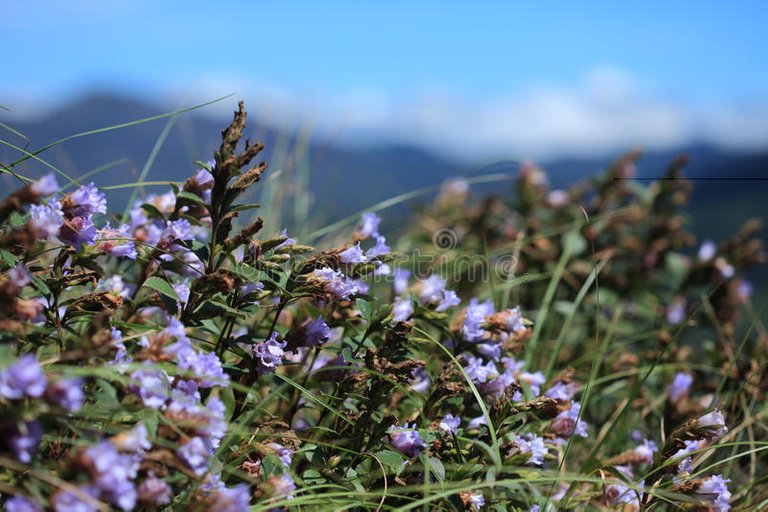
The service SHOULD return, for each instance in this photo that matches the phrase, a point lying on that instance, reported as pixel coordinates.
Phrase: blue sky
(690, 70)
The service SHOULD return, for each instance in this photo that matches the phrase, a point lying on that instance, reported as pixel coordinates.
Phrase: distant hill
(344, 180)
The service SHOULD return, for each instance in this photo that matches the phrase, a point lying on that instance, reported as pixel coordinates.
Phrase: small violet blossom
(680, 385)
(66, 393)
(450, 424)
(269, 354)
(714, 489)
(353, 254)
(335, 283)
(370, 225)
(22, 378)
(315, 331)
(568, 423)
(406, 440)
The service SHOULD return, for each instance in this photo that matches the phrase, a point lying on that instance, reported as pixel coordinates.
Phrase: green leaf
(189, 196)
(436, 466)
(364, 308)
(161, 286)
(152, 211)
(8, 258)
(244, 207)
(392, 459)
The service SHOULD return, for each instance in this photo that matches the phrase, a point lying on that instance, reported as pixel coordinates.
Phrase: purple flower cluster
(335, 283)
(22, 378)
(714, 489)
(432, 291)
(315, 332)
(406, 440)
(116, 242)
(78, 209)
(25, 378)
(568, 423)
(269, 354)
(534, 447)
(450, 424)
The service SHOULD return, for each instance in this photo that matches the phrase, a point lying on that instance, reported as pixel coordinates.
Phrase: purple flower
(568, 423)
(352, 254)
(69, 501)
(230, 499)
(215, 426)
(19, 275)
(182, 290)
(707, 250)
(20, 503)
(85, 201)
(23, 439)
(557, 198)
(680, 386)
(380, 249)
(449, 299)
(46, 219)
(116, 242)
(152, 386)
(284, 454)
(744, 290)
(335, 283)
(713, 420)
(362, 286)
(185, 391)
(195, 454)
(475, 318)
(533, 380)
(422, 380)
(154, 492)
(514, 320)
(177, 230)
(24, 377)
(479, 372)
(476, 501)
(316, 331)
(202, 182)
(205, 368)
(496, 385)
(431, 289)
(135, 440)
(113, 474)
(115, 286)
(45, 186)
(534, 446)
(269, 353)
(288, 240)
(561, 391)
(282, 485)
(714, 489)
(66, 393)
(402, 309)
(475, 423)
(77, 231)
(370, 225)
(450, 424)
(645, 451)
(401, 280)
(406, 440)
(686, 464)
(676, 311)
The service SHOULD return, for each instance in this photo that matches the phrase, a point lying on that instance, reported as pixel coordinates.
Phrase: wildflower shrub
(178, 357)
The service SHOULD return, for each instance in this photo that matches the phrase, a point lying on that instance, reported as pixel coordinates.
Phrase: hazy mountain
(344, 180)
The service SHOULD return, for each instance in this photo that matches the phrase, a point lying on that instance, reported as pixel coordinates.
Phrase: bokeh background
(359, 102)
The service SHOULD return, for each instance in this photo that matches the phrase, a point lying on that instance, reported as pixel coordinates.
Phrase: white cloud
(608, 112)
